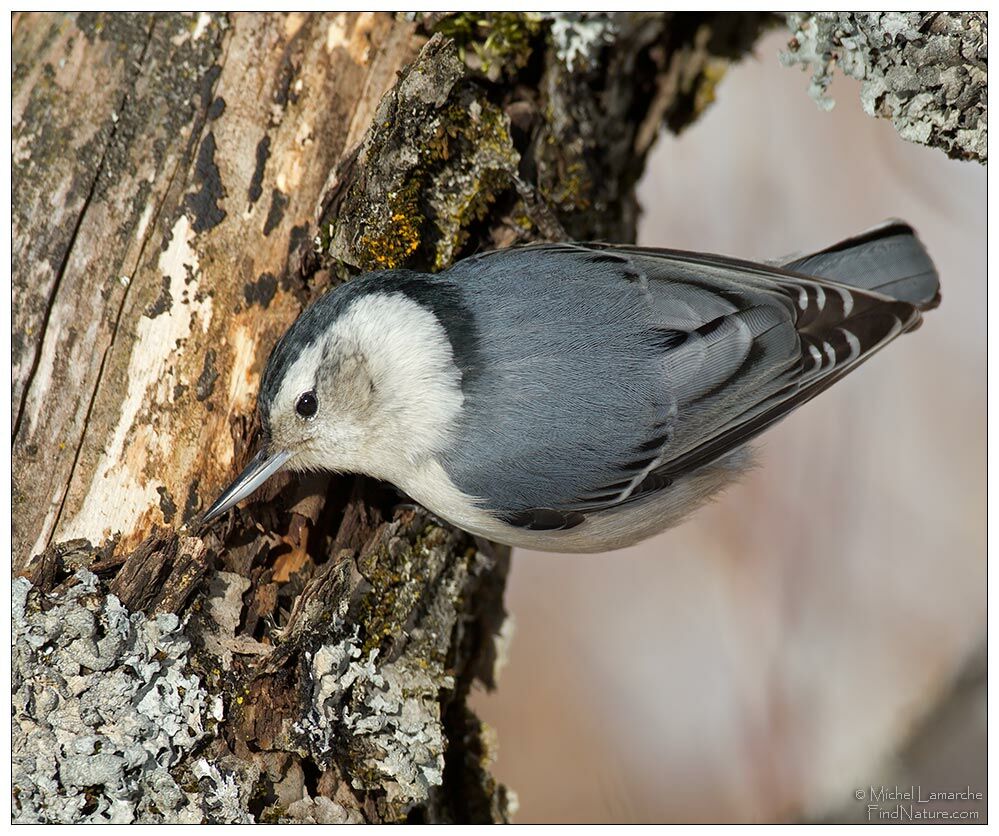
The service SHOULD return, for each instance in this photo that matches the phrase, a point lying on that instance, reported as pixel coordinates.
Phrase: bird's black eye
(307, 404)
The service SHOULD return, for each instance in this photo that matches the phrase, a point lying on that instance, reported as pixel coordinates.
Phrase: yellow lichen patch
(573, 187)
(391, 241)
(476, 145)
(433, 171)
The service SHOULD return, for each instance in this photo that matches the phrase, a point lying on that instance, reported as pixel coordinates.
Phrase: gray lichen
(117, 717)
(320, 810)
(391, 713)
(103, 706)
(377, 703)
(579, 36)
(927, 72)
(107, 710)
(225, 793)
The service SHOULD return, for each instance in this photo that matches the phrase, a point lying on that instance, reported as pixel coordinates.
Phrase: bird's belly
(613, 528)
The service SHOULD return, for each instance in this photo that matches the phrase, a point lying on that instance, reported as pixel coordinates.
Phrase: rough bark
(183, 186)
(926, 71)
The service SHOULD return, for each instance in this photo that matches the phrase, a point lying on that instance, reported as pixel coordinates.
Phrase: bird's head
(363, 382)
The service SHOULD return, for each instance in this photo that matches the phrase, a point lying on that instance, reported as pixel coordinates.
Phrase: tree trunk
(183, 186)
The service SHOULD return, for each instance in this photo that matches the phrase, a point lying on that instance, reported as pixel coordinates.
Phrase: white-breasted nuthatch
(574, 397)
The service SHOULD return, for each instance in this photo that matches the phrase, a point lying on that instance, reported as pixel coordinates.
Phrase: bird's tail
(888, 259)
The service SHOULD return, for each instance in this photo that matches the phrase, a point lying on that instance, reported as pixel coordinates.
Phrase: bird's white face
(377, 392)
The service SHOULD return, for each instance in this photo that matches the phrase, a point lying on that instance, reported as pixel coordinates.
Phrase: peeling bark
(119, 354)
(184, 185)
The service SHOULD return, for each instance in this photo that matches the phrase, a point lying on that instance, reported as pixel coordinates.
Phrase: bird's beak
(261, 467)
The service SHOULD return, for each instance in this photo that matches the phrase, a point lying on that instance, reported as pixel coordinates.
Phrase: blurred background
(802, 638)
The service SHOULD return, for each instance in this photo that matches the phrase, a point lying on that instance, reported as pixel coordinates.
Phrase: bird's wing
(741, 345)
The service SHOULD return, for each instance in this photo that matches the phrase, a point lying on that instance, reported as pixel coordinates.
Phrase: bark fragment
(926, 71)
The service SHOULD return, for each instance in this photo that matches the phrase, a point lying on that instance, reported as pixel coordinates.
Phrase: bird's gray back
(580, 395)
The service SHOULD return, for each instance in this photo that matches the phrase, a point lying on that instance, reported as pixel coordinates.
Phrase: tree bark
(925, 71)
(183, 186)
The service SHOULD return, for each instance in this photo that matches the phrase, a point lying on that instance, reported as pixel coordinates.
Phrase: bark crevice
(54, 292)
(158, 206)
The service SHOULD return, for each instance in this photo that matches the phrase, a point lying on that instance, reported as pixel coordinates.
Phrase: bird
(575, 397)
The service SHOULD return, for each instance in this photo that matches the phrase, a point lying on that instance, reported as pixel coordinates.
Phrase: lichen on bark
(925, 71)
(436, 156)
(107, 709)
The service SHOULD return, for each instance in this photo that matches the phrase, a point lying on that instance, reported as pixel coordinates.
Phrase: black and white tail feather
(852, 299)
(888, 259)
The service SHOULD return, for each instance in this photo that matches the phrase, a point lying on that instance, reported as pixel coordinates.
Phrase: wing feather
(740, 344)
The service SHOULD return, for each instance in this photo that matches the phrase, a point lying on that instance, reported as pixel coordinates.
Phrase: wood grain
(146, 258)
